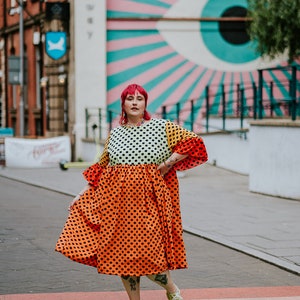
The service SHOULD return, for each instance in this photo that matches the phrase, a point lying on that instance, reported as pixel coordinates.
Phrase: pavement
(216, 205)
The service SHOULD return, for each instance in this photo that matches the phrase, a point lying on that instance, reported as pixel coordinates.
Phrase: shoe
(174, 296)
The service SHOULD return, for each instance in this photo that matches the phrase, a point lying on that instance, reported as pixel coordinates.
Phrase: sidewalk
(216, 205)
(260, 293)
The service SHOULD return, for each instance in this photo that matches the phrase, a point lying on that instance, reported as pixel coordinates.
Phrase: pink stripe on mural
(236, 80)
(152, 74)
(114, 94)
(216, 84)
(200, 89)
(185, 110)
(281, 78)
(202, 85)
(130, 25)
(265, 89)
(248, 88)
(227, 81)
(167, 83)
(164, 85)
(278, 95)
(231, 89)
(195, 94)
(183, 87)
(134, 7)
(254, 78)
(133, 42)
(227, 78)
(227, 85)
(246, 80)
(124, 64)
(171, 2)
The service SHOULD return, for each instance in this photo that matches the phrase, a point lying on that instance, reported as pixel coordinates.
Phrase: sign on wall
(14, 70)
(56, 44)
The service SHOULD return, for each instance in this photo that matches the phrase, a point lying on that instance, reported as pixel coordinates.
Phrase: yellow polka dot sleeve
(183, 141)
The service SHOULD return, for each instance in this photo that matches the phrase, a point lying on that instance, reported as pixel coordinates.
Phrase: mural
(176, 58)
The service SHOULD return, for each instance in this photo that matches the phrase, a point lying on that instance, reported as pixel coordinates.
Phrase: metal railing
(246, 101)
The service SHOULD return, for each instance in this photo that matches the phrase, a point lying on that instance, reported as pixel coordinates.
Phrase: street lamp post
(21, 103)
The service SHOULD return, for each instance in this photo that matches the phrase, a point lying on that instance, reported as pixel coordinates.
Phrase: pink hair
(130, 90)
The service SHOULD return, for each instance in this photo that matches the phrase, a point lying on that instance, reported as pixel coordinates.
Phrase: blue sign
(6, 132)
(56, 44)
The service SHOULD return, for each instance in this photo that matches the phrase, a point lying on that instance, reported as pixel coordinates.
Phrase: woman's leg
(164, 279)
(132, 286)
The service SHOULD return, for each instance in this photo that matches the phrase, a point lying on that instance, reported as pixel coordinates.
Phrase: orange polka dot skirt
(129, 221)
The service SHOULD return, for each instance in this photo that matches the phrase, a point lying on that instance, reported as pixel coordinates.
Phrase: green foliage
(275, 27)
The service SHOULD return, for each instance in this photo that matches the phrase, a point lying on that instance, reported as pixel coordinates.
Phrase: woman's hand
(73, 202)
(78, 197)
(164, 168)
(167, 165)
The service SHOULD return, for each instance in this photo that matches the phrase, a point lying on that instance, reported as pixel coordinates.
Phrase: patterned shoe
(174, 296)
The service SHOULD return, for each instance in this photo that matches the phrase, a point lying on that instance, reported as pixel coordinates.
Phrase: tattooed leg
(132, 286)
(164, 280)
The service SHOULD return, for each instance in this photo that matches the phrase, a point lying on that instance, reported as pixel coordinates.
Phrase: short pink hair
(130, 90)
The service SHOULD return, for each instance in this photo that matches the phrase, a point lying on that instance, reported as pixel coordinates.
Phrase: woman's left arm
(188, 149)
(165, 166)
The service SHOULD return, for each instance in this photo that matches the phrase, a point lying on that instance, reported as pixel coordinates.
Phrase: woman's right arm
(92, 174)
(78, 196)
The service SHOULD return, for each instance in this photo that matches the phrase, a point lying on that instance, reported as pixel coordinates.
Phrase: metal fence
(248, 101)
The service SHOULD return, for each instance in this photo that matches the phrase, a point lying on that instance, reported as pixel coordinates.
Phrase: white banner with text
(37, 153)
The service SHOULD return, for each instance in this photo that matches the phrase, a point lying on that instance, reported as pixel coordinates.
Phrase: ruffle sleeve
(183, 141)
(93, 173)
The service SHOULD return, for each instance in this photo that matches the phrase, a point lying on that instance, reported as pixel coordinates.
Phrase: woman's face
(135, 105)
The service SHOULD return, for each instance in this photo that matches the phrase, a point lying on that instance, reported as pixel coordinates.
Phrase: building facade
(34, 99)
(62, 76)
(177, 49)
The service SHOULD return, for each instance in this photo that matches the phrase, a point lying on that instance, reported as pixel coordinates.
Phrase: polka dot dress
(129, 221)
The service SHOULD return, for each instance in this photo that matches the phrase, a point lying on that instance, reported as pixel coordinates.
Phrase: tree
(275, 27)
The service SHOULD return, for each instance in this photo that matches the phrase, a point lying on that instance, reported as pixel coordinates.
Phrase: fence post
(178, 112)
(271, 98)
(164, 112)
(293, 93)
(100, 123)
(260, 94)
(47, 96)
(207, 106)
(110, 117)
(238, 91)
(223, 107)
(254, 100)
(242, 107)
(192, 115)
(86, 123)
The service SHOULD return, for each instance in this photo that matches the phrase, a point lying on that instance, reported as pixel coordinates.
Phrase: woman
(127, 220)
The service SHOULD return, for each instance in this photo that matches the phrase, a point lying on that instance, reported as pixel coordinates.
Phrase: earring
(124, 117)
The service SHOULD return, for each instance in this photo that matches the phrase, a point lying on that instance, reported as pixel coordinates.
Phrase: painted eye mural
(224, 46)
(176, 48)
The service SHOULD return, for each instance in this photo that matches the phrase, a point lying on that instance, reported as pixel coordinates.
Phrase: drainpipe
(21, 103)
